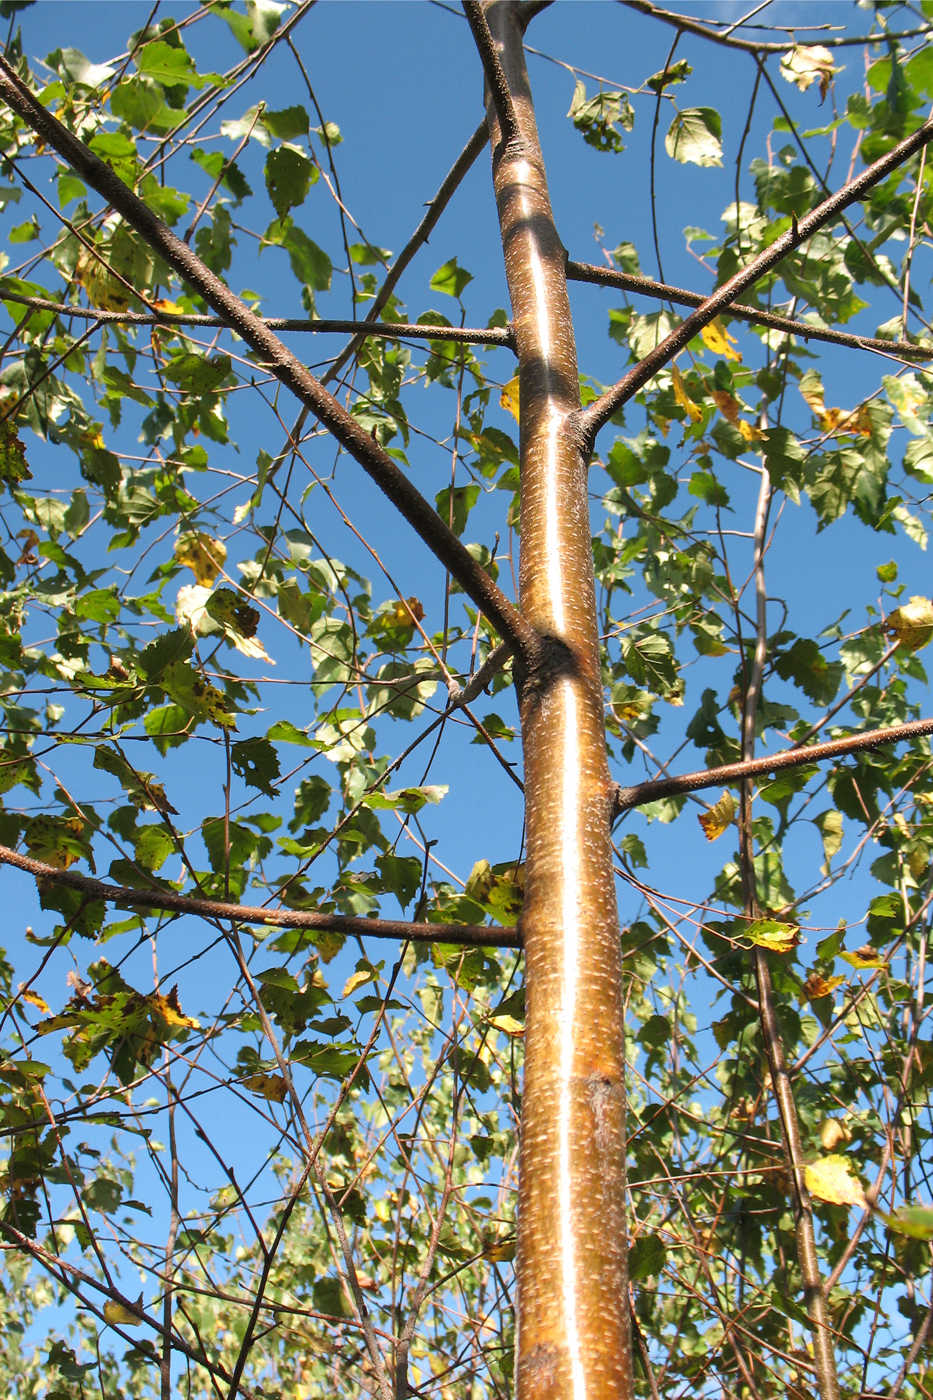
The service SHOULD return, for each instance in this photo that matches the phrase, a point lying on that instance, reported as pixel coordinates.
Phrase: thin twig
(692, 26)
(393, 330)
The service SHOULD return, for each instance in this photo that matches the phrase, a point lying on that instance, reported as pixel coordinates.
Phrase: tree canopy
(389, 583)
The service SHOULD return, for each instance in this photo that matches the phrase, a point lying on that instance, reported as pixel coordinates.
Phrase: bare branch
(390, 330)
(702, 31)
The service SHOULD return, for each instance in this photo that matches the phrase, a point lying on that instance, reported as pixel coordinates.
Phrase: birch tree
(339, 729)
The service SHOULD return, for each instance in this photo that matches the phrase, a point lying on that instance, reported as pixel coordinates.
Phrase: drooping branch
(168, 902)
(680, 296)
(349, 431)
(389, 330)
(83, 1285)
(625, 798)
(602, 409)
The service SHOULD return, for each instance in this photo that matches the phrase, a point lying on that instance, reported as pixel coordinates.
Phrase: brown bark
(573, 1308)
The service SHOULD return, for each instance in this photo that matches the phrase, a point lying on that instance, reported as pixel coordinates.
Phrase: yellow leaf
(404, 611)
(34, 999)
(169, 1010)
(716, 338)
(912, 623)
(171, 308)
(357, 979)
(772, 934)
(859, 421)
(55, 840)
(864, 959)
(508, 399)
(237, 617)
(832, 1133)
(269, 1086)
(501, 1251)
(830, 1179)
(328, 944)
(30, 541)
(480, 881)
(692, 410)
(104, 290)
(749, 432)
(817, 986)
(201, 554)
(719, 817)
(121, 1315)
(507, 1024)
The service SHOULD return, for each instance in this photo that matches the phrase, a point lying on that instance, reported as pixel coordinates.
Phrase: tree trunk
(573, 1307)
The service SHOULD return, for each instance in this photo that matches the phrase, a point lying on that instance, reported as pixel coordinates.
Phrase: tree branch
(601, 410)
(624, 798)
(168, 902)
(348, 431)
(661, 291)
(692, 26)
(496, 80)
(422, 233)
(393, 330)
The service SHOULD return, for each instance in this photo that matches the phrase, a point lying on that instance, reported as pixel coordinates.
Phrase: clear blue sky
(403, 83)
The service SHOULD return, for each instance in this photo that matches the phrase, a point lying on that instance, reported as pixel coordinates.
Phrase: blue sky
(403, 82)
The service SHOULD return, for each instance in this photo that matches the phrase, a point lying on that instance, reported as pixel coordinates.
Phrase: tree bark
(573, 1307)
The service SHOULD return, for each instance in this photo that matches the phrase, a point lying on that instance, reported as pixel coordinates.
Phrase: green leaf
(197, 374)
(451, 278)
(830, 828)
(674, 73)
(310, 264)
(257, 763)
(914, 1221)
(289, 174)
(171, 65)
(257, 26)
(773, 934)
(647, 1257)
(287, 122)
(73, 65)
(695, 136)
